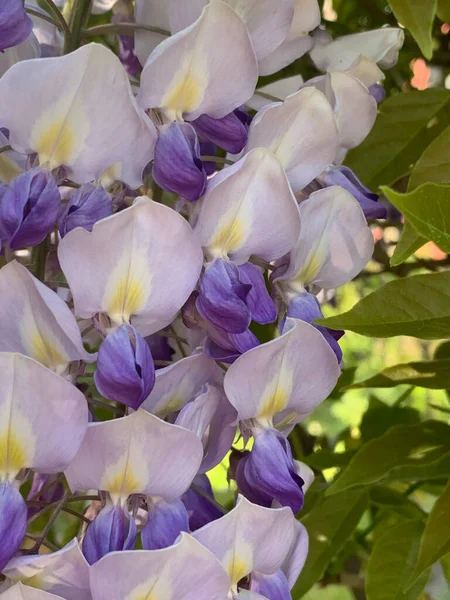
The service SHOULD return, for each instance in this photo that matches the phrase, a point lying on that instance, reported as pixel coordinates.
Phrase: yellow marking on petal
(276, 395)
(13, 454)
(122, 484)
(174, 403)
(237, 570)
(45, 352)
(127, 300)
(183, 96)
(55, 145)
(310, 269)
(146, 591)
(228, 238)
(8, 169)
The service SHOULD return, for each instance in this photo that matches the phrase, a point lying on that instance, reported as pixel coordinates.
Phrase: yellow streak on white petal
(121, 484)
(186, 91)
(55, 145)
(239, 561)
(17, 443)
(232, 231)
(155, 588)
(40, 344)
(173, 403)
(276, 395)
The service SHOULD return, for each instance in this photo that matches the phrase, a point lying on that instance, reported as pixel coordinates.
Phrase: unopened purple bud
(272, 587)
(268, 472)
(166, 520)
(15, 24)
(160, 348)
(125, 370)
(13, 522)
(29, 208)
(201, 511)
(208, 149)
(222, 298)
(177, 167)
(378, 92)
(261, 305)
(345, 178)
(229, 132)
(227, 347)
(113, 529)
(306, 307)
(88, 205)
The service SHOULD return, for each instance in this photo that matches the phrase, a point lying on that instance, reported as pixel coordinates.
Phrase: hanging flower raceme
(43, 419)
(138, 454)
(272, 387)
(15, 24)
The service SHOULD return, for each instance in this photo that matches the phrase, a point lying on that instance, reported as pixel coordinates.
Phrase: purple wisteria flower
(15, 24)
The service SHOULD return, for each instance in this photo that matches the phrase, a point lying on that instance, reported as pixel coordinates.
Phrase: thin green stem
(44, 17)
(79, 16)
(262, 263)
(40, 259)
(59, 17)
(5, 149)
(122, 29)
(179, 344)
(217, 159)
(202, 493)
(58, 508)
(47, 487)
(45, 543)
(106, 406)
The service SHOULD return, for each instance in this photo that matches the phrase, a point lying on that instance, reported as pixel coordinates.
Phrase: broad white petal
(153, 13)
(23, 592)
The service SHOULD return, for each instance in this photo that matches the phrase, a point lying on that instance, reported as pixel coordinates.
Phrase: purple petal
(13, 522)
(15, 24)
(272, 587)
(201, 511)
(165, 523)
(125, 371)
(177, 167)
(88, 205)
(113, 529)
(229, 132)
(160, 348)
(259, 302)
(268, 473)
(227, 347)
(222, 298)
(378, 92)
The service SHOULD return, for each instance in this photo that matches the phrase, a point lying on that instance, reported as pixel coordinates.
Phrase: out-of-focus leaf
(428, 210)
(442, 351)
(392, 561)
(406, 125)
(385, 497)
(434, 164)
(401, 446)
(443, 10)
(326, 460)
(435, 541)
(346, 379)
(330, 592)
(418, 306)
(329, 523)
(417, 16)
(409, 242)
(380, 417)
(422, 471)
(431, 374)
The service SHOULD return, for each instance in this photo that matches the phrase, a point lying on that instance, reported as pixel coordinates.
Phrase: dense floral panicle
(125, 370)
(64, 573)
(229, 132)
(68, 122)
(136, 454)
(249, 538)
(346, 178)
(139, 266)
(188, 74)
(88, 205)
(24, 592)
(306, 307)
(284, 379)
(200, 509)
(301, 132)
(248, 209)
(36, 322)
(13, 521)
(29, 208)
(15, 24)
(177, 167)
(112, 529)
(171, 573)
(334, 245)
(166, 520)
(43, 417)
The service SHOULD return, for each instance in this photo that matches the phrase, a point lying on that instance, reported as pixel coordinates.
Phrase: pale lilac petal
(188, 74)
(43, 417)
(296, 557)
(36, 322)
(23, 592)
(289, 375)
(136, 454)
(301, 132)
(185, 571)
(277, 91)
(153, 13)
(27, 50)
(68, 121)
(248, 209)
(139, 266)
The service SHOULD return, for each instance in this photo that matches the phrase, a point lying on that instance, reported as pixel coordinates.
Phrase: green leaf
(406, 125)
(407, 245)
(436, 538)
(417, 16)
(402, 445)
(380, 417)
(418, 306)
(443, 10)
(434, 164)
(385, 497)
(432, 374)
(427, 209)
(438, 469)
(392, 561)
(329, 523)
(330, 592)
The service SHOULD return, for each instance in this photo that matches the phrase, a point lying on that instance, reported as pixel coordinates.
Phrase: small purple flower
(15, 24)
(88, 205)
(268, 472)
(13, 522)
(166, 520)
(29, 208)
(125, 370)
(229, 132)
(201, 511)
(178, 167)
(113, 529)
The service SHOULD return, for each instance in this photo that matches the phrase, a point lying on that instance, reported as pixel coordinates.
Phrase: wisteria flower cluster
(129, 362)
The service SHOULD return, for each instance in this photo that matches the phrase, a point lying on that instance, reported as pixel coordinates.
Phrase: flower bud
(125, 370)
(229, 132)
(28, 209)
(113, 529)
(15, 24)
(13, 522)
(166, 520)
(88, 205)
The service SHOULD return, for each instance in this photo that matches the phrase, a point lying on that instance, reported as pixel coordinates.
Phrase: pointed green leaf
(428, 210)
(436, 538)
(443, 10)
(434, 164)
(417, 16)
(407, 245)
(418, 306)
(401, 446)
(432, 374)
(405, 126)
(392, 561)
